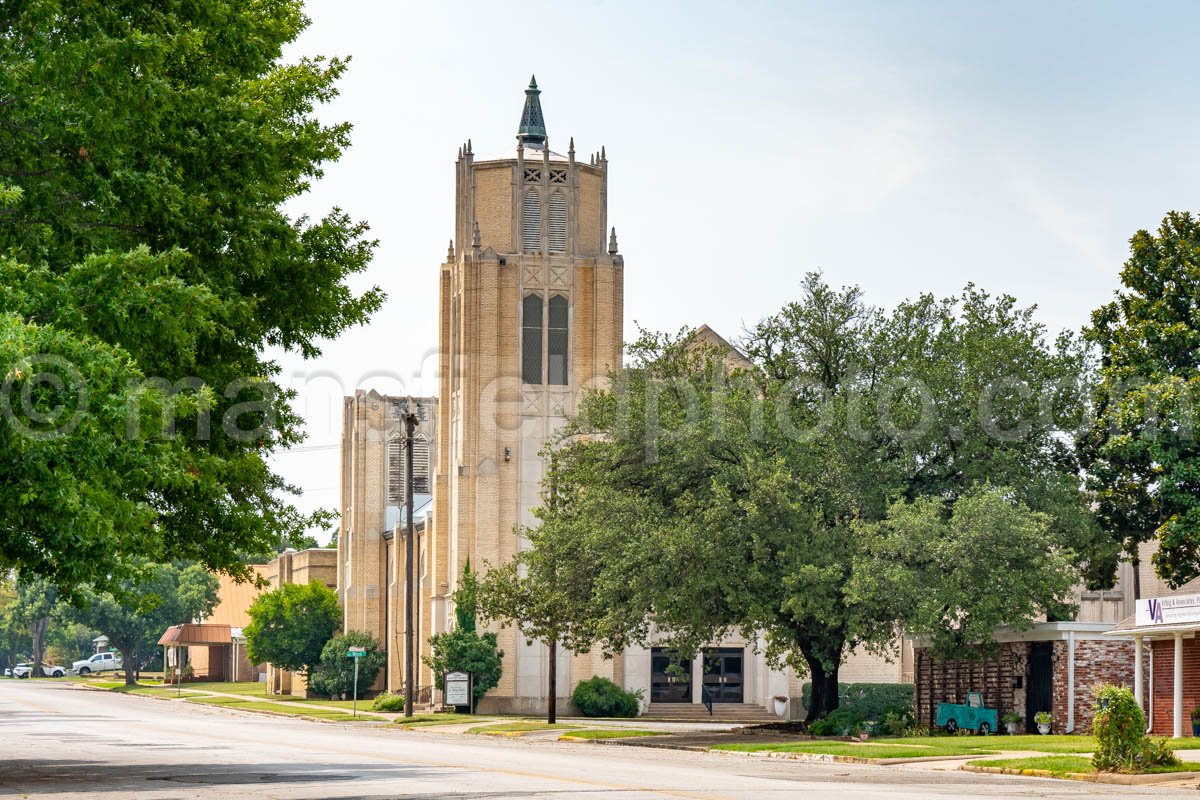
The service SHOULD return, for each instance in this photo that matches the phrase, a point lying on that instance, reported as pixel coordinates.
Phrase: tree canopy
(148, 152)
(701, 494)
(135, 613)
(290, 626)
(1142, 454)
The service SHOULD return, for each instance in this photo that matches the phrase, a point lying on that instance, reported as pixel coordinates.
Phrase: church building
(531, 314)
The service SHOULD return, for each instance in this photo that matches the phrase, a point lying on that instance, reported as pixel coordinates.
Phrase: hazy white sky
(905, 147)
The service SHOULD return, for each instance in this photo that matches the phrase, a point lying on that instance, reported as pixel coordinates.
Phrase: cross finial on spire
(533, 126)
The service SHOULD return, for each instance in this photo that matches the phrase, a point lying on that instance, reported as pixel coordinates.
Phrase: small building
(1161, 635)
(213, 648)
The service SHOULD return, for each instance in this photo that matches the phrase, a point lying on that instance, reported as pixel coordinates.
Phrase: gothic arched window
(558, 222)
(556, 341)
(531, 339)
(531, 222)
(396, 467)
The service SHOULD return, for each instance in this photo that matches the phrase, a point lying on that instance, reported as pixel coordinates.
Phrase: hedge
(868, 701)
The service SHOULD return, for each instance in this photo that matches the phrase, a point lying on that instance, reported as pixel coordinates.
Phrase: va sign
(1179, 609)
(458, 689)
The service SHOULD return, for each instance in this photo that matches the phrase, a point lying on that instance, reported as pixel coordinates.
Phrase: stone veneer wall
(1097, 662)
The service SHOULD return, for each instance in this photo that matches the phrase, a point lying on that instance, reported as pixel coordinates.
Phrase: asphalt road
(61, 741)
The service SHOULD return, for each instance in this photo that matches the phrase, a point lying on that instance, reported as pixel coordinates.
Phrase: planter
(1196, 729)
(1043, 728)
(780, 707)
(1010, 728)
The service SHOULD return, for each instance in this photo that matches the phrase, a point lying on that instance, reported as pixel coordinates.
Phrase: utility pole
(410, 591)
(552, 673)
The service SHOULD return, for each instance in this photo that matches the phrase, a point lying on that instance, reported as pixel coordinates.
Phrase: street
(64, 741)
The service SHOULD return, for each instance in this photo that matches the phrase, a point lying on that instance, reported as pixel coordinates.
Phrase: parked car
(101, 662)
(49, 670)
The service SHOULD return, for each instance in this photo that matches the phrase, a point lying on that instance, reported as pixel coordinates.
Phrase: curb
(1089, 777)
(242, 710)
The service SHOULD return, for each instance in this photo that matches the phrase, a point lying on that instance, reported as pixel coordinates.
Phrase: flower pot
(1043, 728)
(1010, 728)
(1196, 729)
(780, 707)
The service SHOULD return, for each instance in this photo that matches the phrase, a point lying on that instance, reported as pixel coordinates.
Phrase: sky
(903, 147)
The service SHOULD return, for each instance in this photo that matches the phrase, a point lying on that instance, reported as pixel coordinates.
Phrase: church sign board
(1171, 610)
(458, 688)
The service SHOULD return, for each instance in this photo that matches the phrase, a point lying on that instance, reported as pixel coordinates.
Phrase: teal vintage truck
(970, 716)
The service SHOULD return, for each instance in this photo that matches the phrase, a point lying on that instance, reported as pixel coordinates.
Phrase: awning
(195, 634)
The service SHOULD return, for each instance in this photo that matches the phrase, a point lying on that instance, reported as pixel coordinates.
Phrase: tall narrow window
(558, 223)
(531, 339)
(531, 222)
(556, 342)
(395, 462)
(421, 464)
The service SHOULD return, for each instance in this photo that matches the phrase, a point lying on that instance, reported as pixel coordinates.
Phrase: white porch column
(1138, 678)
(1178, 687)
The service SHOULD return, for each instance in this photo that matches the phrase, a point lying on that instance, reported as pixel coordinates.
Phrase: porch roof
(193, 634)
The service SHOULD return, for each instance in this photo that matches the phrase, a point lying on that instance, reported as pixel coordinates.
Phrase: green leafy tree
(463, 647)
(1142, 454)
(149, 266)
(14, 637)
(703, 493)
(37, 603)
(334, 675)
(957, 577)
(290, 626)
(135, 613)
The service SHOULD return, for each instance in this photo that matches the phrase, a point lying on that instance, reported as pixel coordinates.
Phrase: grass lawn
(520, 727)
(254, 688)
(881, 749)
(1061, 766)
(609, 733)
(429, 720)
(155, 691)
(251, 705)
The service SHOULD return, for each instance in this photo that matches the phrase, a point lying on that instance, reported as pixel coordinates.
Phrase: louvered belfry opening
(531, 222)
(556, 342)
(421, 467)
(531, 339)
(558, 222)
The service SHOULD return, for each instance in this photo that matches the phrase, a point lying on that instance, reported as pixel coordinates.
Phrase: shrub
(334, 675)
(895, 723)
(869, 701)
(1120, 729)
(600, 697)
(391, 703)
(841, 722)
(463, 648)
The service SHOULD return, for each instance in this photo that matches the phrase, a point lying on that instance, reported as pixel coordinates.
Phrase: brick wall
(1096, 662)
(1164, 684)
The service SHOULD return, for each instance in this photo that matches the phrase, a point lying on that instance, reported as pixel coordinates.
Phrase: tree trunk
(824, 698)
(127, 658)
(37, 632)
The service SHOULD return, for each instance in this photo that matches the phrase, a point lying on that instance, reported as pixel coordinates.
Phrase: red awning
(195, 634)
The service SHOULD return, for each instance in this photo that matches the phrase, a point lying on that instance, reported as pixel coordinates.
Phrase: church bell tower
(531, 315)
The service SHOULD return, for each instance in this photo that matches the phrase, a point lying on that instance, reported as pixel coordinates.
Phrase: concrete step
(722, 712)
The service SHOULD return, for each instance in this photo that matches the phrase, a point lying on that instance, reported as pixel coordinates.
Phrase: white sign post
(458, 690)
(356, 653)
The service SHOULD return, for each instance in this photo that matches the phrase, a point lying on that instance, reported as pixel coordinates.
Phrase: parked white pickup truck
(101, 662)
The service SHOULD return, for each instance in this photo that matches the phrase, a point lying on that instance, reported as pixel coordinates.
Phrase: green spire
(533, 127)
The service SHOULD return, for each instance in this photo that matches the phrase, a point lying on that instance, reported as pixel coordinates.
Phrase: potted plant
(781, 702)
(1043, 720)
(1011, 720)
(1196, 722)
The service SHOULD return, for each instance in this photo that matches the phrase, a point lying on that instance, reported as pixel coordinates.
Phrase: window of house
(558, 222)
(531, 339)
(556, 341)
(531, 222)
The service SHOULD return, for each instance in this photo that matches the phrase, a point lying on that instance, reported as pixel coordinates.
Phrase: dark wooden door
(1039, 691)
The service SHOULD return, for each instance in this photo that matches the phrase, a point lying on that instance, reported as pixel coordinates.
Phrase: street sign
(356, 652)
(458, 688)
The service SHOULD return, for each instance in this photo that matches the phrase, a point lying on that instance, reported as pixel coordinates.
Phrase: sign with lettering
(356, 652)
(1177, 610)
(458, 688)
